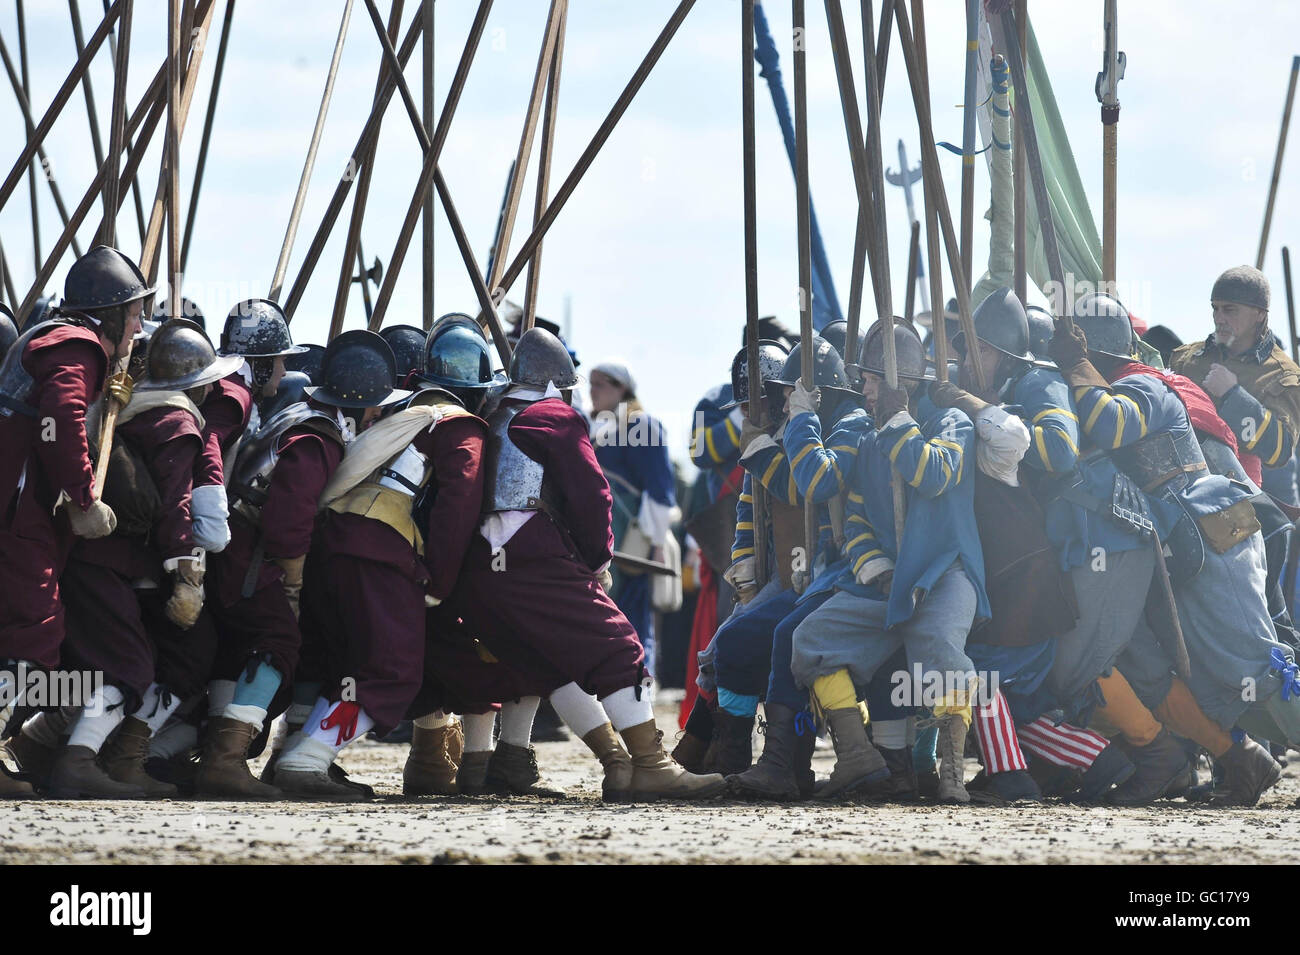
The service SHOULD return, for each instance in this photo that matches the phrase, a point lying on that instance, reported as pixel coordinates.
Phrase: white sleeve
(1003, 441)
(656, 519)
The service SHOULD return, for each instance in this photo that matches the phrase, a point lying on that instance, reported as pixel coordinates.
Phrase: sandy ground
(582, 829)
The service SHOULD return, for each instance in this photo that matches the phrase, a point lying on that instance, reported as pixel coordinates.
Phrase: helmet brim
(283, 353)
(322, 393)
(221, 366)
(959, 343)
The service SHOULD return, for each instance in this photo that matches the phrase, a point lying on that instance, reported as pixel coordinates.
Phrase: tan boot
(857, 762)
(656, 775)
(123, 759)
(431, 764)
(471, 778)
(608, 748)
(76, 775)
(223, 768)
(952, 759)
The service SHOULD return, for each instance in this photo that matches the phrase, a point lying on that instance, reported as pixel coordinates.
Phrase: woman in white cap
(633, 451)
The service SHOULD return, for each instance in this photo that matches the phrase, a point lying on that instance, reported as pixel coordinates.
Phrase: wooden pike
(803, 228)
(1277, 161)
(938, 319)
(1290, 303)
(23, 88)
(1019, 194)
(934, 179)
(173, 160)
(121, 62)
(913, 253)
(295, 214)
(427, 222)
(8, 279)
(544, 169)
(968, 136)
(748, 154)
(201, 163)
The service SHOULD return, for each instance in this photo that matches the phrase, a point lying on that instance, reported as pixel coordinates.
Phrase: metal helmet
(8, 330)
(180, 357)
(1041, 329)
(103, 278)
(258, 328)
(828, 366)
(162, 311)
(908, 349)
(358, 372)
(1106, 324)
(407, 343)
(292, 389)
(1163, 340)
(771, 363)
(457, 355)
(309, 361)
(1000, 322)
(540, 359)
(837, 334)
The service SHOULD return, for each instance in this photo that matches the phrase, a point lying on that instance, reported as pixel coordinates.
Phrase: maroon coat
(226, 411)
(67, 365)
(542, 611)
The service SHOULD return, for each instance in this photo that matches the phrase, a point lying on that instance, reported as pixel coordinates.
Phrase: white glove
(761, 443)
(209, 517)
(803, 401)
(1219, 381)
(431, 602)
(741, 575)
(605, 579)
(737, 417)
(799, 581)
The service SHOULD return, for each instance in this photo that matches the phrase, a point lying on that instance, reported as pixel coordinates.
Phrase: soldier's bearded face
(131, 327)
(1237, 327)
(871, 388)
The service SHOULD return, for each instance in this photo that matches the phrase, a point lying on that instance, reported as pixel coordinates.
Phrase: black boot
(805, 744)
(1111, 768)
(695, 746)
(900, 785)
(734, 750)
(1159, 765)
(1248, 770)
(774, 775)
(999, 789)
(547, 725)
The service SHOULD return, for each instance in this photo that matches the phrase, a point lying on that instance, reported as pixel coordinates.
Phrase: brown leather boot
(512, 770)
(123, 758)
(76, 775)
(655, 775)
(431, 764)
(608, 748)
(11, 787)
(34, 759)
(223, 768)
(689, 752)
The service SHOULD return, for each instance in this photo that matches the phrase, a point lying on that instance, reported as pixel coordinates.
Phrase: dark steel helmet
(292, 389)
(358, 372)
(837, 334)
(309, 361)
(1163, 340)
(8, 329)
(257, 328)
(1106, 324)
(1041, 329)
(180, 357)
(908, 349)
(162, 311)
(828, 366)
(540, 359)
(1001, 323)
(771, 362)
(103, 278)
(407, 343)
(457, 355)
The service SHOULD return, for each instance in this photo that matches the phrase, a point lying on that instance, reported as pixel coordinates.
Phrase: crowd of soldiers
(1074, 558)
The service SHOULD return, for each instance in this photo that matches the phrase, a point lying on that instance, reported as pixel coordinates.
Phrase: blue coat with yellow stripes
(715, 437)
(1048, 410)
(1138, 405)
(822, 470)
(940, 522)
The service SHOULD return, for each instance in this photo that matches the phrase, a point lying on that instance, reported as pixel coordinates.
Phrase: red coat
(226, 411)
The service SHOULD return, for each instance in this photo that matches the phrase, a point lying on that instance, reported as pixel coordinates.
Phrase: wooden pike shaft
(934, 180)
(748, 161)
(803, 209)
(60, 99)
(531, 118)
(1277, 161)
(1019, 203)
(938, 321)
(544, 168)
(186, 82)
(1290, 303)
(913, 253)
(968, 137)
(427, 222)
(173, 162)
(23, 89)
(8, 280)
(440, 184)
(25, 106)
(121, 62)
(295, 213)
(201, 162)
(352, 243)
(584, 162)
(369, 133)
(92, 114)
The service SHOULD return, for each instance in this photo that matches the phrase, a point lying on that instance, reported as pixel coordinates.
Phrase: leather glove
(944, 394)
(605, 579)
(741, 576)
(187, 594)
(1069, 349)
(292, 580)
(889, 402)
(748, 433)
(803, 401)
(799, 581)
(1219, 381)
(98, 520)
(885, 582)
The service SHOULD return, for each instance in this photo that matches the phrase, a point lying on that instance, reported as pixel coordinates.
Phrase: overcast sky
(649, 251)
